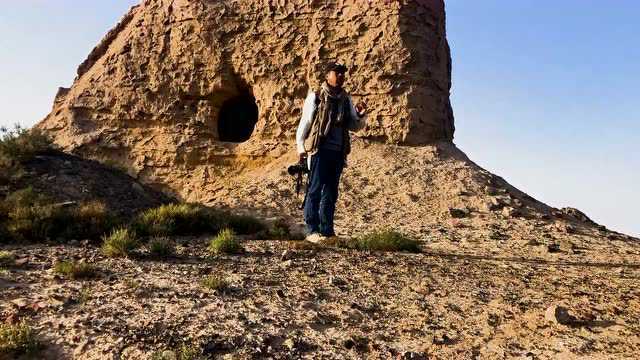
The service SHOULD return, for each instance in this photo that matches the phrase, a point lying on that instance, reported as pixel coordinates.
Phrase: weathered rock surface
(151, 94)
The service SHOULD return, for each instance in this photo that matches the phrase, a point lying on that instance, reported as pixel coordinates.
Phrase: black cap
(335, 66)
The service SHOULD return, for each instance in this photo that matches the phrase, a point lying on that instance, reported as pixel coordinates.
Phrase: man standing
(323, 135)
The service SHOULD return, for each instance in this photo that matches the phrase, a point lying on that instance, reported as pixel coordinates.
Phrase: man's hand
(361, 108)
(303, 158)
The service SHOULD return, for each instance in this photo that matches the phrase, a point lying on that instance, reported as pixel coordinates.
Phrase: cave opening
(237, 118)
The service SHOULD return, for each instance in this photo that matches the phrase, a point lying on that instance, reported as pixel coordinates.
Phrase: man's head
(335, 74)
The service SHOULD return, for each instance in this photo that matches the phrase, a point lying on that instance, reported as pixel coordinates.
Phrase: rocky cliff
(183, 91)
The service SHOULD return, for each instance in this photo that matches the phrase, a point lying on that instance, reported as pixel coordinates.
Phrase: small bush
(29, 216)
(84, 296)
(74, 271)
(6, 259)
(17, 340)
(20, 144)
(120, 243)
(192, 219)
(225, 243)
(178, 219)
(214, 282)
(91, 220)
(161, 247)
(387, 240)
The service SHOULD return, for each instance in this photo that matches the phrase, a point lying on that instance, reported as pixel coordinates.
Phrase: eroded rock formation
(176, 79)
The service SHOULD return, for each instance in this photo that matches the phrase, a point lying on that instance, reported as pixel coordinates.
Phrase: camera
(298, 169)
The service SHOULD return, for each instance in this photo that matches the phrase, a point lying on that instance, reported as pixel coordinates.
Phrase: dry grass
(225, 243)
(7, 259)
(161, 247)
(192, 219)
(75, 270)
(120, 243)
(215, 282)
(28, 216)
(17, 340)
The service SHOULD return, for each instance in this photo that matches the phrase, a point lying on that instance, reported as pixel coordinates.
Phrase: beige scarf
(327, 102)
(330, 102)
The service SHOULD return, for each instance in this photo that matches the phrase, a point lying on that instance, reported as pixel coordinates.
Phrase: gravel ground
(284, 303)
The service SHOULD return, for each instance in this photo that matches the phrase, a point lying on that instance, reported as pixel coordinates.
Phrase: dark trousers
(322, 194)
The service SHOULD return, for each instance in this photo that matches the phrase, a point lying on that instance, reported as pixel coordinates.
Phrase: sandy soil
(332, 303)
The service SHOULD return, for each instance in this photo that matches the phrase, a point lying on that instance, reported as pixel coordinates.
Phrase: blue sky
(545, 92)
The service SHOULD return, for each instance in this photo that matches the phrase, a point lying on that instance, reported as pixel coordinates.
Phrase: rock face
(182, 91)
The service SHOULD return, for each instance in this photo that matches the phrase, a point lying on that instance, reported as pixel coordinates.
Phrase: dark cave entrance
(237, 118)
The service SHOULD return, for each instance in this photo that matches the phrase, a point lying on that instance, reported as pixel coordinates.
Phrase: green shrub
(387, 240)
(17, 340)
(192, 219)
(120, 243)
(73, 270)
(84, 296)
(383, 240)
(225, 243)
(6, 259)
(29, 216)
(20, 144)
(178, 219)
(214, 282)
(161, 247)
(91, 220)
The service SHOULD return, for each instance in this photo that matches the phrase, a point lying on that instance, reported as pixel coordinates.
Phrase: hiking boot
(315, 238)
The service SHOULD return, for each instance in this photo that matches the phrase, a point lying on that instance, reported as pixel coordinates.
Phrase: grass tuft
(178, 219)
(387, 240)
(7, 259)
(215, 282)
(75, 270)
(225, 243)
(161, 247)
(120, 243)
(18, 340)
(84, 296)
(183, 352)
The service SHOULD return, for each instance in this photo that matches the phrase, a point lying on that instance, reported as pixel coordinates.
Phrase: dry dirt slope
(432, 192)
(528, 282)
